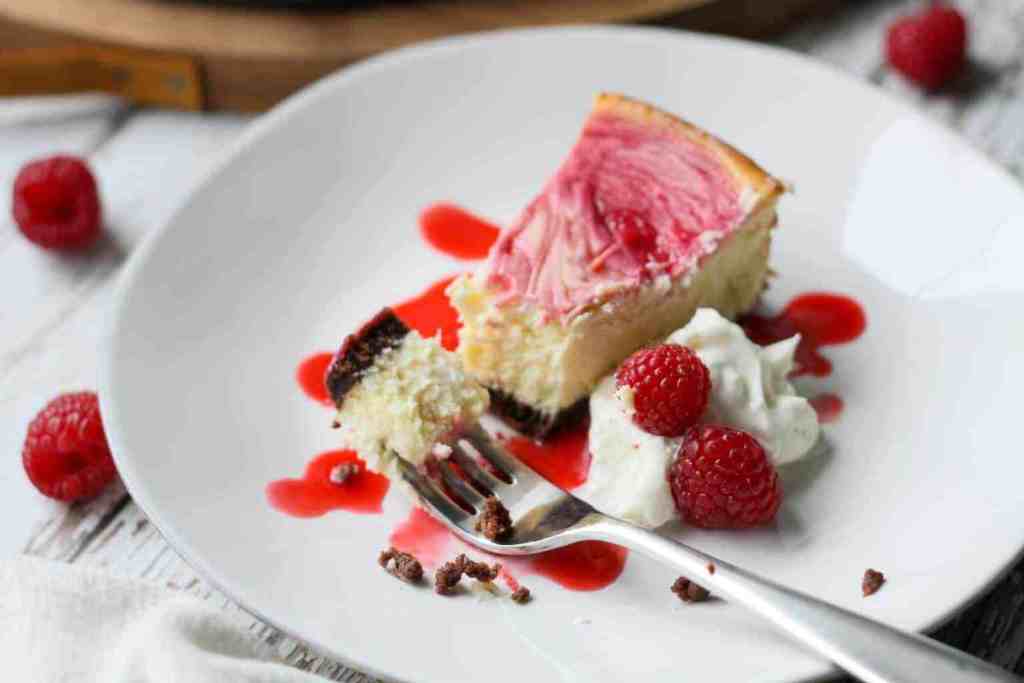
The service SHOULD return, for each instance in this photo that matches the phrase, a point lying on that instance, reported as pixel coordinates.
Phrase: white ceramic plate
(309, 226)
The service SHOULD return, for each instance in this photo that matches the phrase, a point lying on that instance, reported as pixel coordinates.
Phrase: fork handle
(869, 650)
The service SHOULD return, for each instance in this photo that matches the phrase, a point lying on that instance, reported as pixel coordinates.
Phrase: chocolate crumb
(521, 595)
(688, 591)
(401, 565)
(342, 472)
(711, 568)
(335, 425)
(447, 577)
(871, 582)
(494, 522)
(481, 571)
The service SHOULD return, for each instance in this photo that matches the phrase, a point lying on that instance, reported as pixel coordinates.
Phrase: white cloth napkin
(64, 624)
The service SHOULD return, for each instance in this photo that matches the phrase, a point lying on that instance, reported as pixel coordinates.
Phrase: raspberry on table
(65, 454)
(56, 204)
(722, 479)
(929, 48)
(670, 386)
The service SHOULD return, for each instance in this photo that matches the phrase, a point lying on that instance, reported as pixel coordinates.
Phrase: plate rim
(310, 96)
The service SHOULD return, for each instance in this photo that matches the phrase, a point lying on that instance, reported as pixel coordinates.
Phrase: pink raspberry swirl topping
(631, 202)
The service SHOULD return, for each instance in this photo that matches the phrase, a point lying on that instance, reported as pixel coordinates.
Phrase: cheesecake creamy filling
(413, 395)
(549, 365)
(749, 391)
(630, 203)
(647, 219)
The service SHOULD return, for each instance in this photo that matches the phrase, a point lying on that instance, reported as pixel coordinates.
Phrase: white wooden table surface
(53, 309)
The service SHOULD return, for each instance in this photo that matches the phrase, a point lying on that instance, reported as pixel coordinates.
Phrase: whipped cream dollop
(749, 391)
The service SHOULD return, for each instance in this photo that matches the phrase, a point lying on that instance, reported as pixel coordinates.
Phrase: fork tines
(430, 493)
(470, 484)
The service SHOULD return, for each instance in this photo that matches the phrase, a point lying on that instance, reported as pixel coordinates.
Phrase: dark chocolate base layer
(359, 351)
(532, 422)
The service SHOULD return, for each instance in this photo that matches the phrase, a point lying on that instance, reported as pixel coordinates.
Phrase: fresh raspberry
(56, 204)
(722, 479)
(670, 388)
(65, 453)
(929, 48)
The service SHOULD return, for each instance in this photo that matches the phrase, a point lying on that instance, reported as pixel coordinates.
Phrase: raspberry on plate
(65, 453)
(56, 204)
(929, 48)
(722, 479)
(670, 386)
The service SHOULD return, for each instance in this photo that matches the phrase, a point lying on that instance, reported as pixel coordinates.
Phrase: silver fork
(547, 517)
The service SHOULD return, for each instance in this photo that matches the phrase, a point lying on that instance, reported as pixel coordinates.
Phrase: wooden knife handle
(145, 78)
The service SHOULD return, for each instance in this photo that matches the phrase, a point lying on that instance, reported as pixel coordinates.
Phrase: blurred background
(247, 55)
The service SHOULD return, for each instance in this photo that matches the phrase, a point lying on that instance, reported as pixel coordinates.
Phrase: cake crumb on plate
(401, 565)
(871, 582)
(688, 591)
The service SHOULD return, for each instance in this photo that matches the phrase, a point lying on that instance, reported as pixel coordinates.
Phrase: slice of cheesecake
(397, 392)
(648, 219)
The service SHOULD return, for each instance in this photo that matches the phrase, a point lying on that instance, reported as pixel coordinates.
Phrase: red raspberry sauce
(457, 232)
(821, 319)
(584, 566)
(430, 312)
(423, 536)
(828, 407)
(310, 376)
(315, 495)
(563, 459)
(510, 581)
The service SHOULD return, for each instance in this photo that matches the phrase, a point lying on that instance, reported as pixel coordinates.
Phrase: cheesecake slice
(648, 219)
(398, 393)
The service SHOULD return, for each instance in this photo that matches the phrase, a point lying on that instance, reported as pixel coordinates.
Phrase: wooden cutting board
(203, 56)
